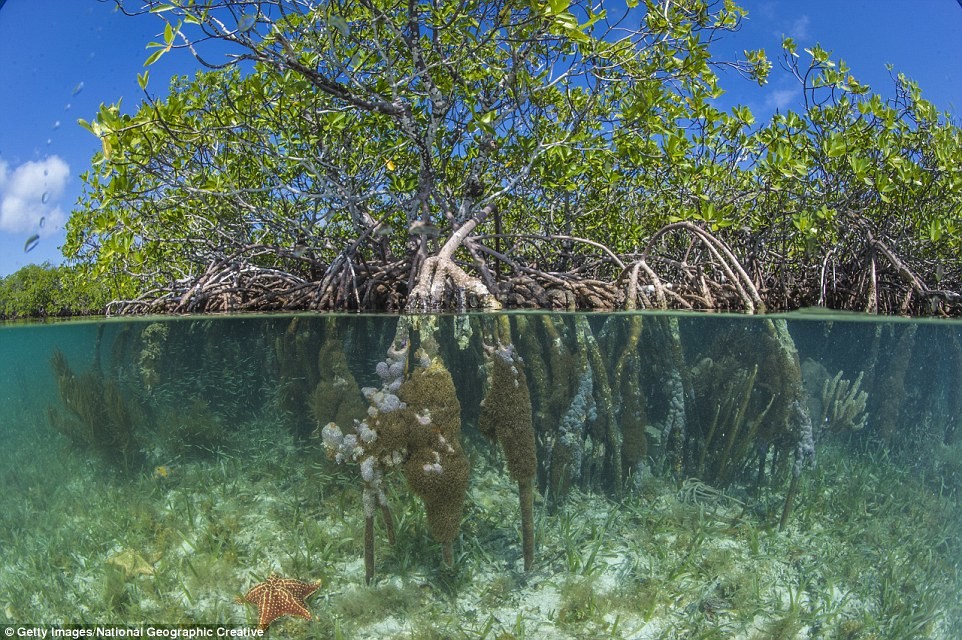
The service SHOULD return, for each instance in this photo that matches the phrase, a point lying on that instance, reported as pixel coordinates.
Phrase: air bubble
(31, 243)
(78, 88)
(43, 220)
(45, 198)
(56, 125)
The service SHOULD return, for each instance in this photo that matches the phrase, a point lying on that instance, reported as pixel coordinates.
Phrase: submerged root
(506, 417)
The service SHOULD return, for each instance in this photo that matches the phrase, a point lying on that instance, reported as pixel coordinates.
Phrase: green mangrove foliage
(40, 291)
(373, 155)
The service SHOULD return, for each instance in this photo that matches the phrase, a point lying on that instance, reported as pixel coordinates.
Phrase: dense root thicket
(570, 401)
(684, 266)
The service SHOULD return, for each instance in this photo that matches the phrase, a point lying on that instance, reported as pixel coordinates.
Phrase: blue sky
(59, 59)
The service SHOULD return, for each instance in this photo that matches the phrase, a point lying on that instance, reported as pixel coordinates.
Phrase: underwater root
(413, 424)
(526, 498)
(506, 418)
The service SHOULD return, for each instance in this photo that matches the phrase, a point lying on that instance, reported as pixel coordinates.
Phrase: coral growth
(436, 469)
(843, 405)
(413, 423)
(506, 413)
(337, 397)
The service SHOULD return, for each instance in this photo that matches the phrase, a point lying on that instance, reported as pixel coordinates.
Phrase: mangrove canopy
(385, 155)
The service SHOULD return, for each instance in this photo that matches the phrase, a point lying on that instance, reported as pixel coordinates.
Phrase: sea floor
(871, 552)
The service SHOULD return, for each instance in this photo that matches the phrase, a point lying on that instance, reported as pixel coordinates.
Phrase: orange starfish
(278, 597)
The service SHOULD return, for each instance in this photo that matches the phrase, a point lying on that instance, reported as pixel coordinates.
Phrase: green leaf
(567, 22)
(154, 57)
(556, 7)
(341, 25)
(860, 167)
(885, 185)
(788, 44)
(744, 115)
(835, 145)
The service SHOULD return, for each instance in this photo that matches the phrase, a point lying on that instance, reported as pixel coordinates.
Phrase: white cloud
(799, 28)
(29, 195)
(782, 98)
(765, 9)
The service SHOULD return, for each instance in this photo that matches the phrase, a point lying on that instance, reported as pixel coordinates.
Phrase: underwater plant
(578, 431)
(843, 405)
(729, 437)
(99, 417)
(890, 383)
(555, 376)
(743, 390)
(750, 418)
(149, 360)
(192, 430)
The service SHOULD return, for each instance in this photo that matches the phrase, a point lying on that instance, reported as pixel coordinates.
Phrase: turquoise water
(487, 476)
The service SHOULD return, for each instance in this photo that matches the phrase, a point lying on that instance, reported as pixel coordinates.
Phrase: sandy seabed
(869, 553)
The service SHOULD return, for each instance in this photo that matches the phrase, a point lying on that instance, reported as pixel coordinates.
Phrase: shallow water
(694, 475)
